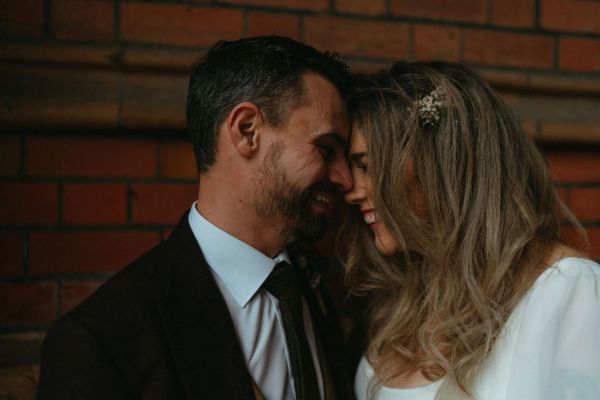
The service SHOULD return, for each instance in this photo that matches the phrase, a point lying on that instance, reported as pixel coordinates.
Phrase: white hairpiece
(429, 107)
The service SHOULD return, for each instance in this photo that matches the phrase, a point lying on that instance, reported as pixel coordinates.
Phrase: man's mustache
(324, 187)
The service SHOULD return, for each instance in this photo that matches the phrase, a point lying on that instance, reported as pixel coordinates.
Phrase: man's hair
(266, 71)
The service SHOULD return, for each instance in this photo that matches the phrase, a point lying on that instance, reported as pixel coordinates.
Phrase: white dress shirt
(239, 271)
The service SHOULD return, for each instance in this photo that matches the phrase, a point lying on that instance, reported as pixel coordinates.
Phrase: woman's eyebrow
(356, 157)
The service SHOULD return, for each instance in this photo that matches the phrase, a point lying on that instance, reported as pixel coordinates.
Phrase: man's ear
(242, 124)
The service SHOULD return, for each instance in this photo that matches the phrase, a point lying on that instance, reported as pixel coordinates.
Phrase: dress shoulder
(551, 345)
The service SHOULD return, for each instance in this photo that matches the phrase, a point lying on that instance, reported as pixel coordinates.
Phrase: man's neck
(235, 215)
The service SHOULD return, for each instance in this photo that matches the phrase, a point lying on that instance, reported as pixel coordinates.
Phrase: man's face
(305, 166)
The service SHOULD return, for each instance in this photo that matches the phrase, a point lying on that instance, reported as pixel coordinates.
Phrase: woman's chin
(385, 243)
(388, 249)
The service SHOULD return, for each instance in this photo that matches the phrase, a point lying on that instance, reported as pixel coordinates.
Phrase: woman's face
(362, 195)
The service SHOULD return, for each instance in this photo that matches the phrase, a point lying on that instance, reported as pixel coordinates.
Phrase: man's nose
(339, 174)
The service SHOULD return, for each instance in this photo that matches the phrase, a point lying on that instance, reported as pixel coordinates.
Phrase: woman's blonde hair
(492, 217)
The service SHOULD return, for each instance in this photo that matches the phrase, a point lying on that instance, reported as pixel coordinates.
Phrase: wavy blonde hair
(493, 216)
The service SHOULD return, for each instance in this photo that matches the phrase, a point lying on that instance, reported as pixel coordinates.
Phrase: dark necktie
(283, 284)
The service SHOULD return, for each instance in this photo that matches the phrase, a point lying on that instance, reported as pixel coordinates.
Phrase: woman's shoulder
(569, 270)
(570, 282)
(551, 342)
(366, 381)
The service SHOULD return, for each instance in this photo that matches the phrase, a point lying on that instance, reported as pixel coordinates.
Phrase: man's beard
(276, 196)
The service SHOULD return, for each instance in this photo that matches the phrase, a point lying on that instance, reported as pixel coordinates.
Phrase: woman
(471, 292)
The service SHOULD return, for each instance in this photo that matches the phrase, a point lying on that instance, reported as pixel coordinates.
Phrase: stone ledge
(19, 383)
(180, 61)
(20, 348)
(112, 88)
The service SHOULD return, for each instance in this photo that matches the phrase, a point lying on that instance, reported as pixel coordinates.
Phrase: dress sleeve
(557, 351)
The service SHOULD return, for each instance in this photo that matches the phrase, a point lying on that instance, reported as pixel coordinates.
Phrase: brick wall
(94, 167)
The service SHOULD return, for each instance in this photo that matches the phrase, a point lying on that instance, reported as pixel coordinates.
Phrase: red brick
(571, 237)
(263, 23)
(373, 7)
(90, 203)
(580, 55)
(11, 248)
(73, 293)
(10, 155)
(563, 195)
(177, 160)
(575, 166)
(27, 303)
(594, 240)
(179, 24)
(436, 43)
(508, 49)
(519, 13)
(570, 15)
(154, 100)
(91, 156)
(585, 203)
(453, 10)
(586, 132)
(166, 233)
(162, 203)
(357, 38)
(22, 18)
(28, 203)
(86, 252)
(84, 20)
(317, 5)
(61, 88)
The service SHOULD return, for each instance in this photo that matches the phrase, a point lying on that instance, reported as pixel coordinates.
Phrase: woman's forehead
(357, 141)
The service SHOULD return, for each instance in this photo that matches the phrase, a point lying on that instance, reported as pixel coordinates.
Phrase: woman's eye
(361, 166)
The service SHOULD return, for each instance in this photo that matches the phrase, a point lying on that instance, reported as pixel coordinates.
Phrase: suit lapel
(199, 330)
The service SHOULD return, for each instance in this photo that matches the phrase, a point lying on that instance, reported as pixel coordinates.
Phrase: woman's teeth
(370, 218)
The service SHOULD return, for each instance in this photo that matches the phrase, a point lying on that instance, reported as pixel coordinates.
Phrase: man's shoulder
(116, 327)
(128, 293)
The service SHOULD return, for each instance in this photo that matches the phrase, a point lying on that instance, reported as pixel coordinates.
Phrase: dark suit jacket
(160, 329)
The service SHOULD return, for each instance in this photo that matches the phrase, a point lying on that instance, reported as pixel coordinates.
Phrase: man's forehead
(319, 89)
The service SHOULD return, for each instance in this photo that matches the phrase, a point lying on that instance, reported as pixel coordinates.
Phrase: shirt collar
(241, 267)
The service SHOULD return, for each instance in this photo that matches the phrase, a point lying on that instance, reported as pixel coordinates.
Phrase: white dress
(549, 348)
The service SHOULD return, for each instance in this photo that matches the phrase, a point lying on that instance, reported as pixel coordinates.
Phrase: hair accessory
(429, 106)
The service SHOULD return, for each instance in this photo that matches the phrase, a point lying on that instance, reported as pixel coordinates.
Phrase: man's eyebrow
(336, 137)
(356, 157)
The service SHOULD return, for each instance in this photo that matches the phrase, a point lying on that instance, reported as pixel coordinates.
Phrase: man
(217, 311)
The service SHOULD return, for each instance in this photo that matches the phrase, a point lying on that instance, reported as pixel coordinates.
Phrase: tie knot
(282, 282)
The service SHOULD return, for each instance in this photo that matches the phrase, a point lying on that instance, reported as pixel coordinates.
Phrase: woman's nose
(356, 195)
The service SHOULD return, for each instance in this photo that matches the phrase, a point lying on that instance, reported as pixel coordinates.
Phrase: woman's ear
(242, 124)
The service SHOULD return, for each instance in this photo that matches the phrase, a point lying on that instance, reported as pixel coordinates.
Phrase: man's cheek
(305, 166)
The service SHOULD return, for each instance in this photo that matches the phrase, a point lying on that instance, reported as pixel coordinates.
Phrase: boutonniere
(314, 279)
(312, 273)
(311, 270)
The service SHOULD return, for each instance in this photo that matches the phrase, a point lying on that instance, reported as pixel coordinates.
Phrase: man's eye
(325, 150)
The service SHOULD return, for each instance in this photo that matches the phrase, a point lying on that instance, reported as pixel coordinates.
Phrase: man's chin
(309, 228)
